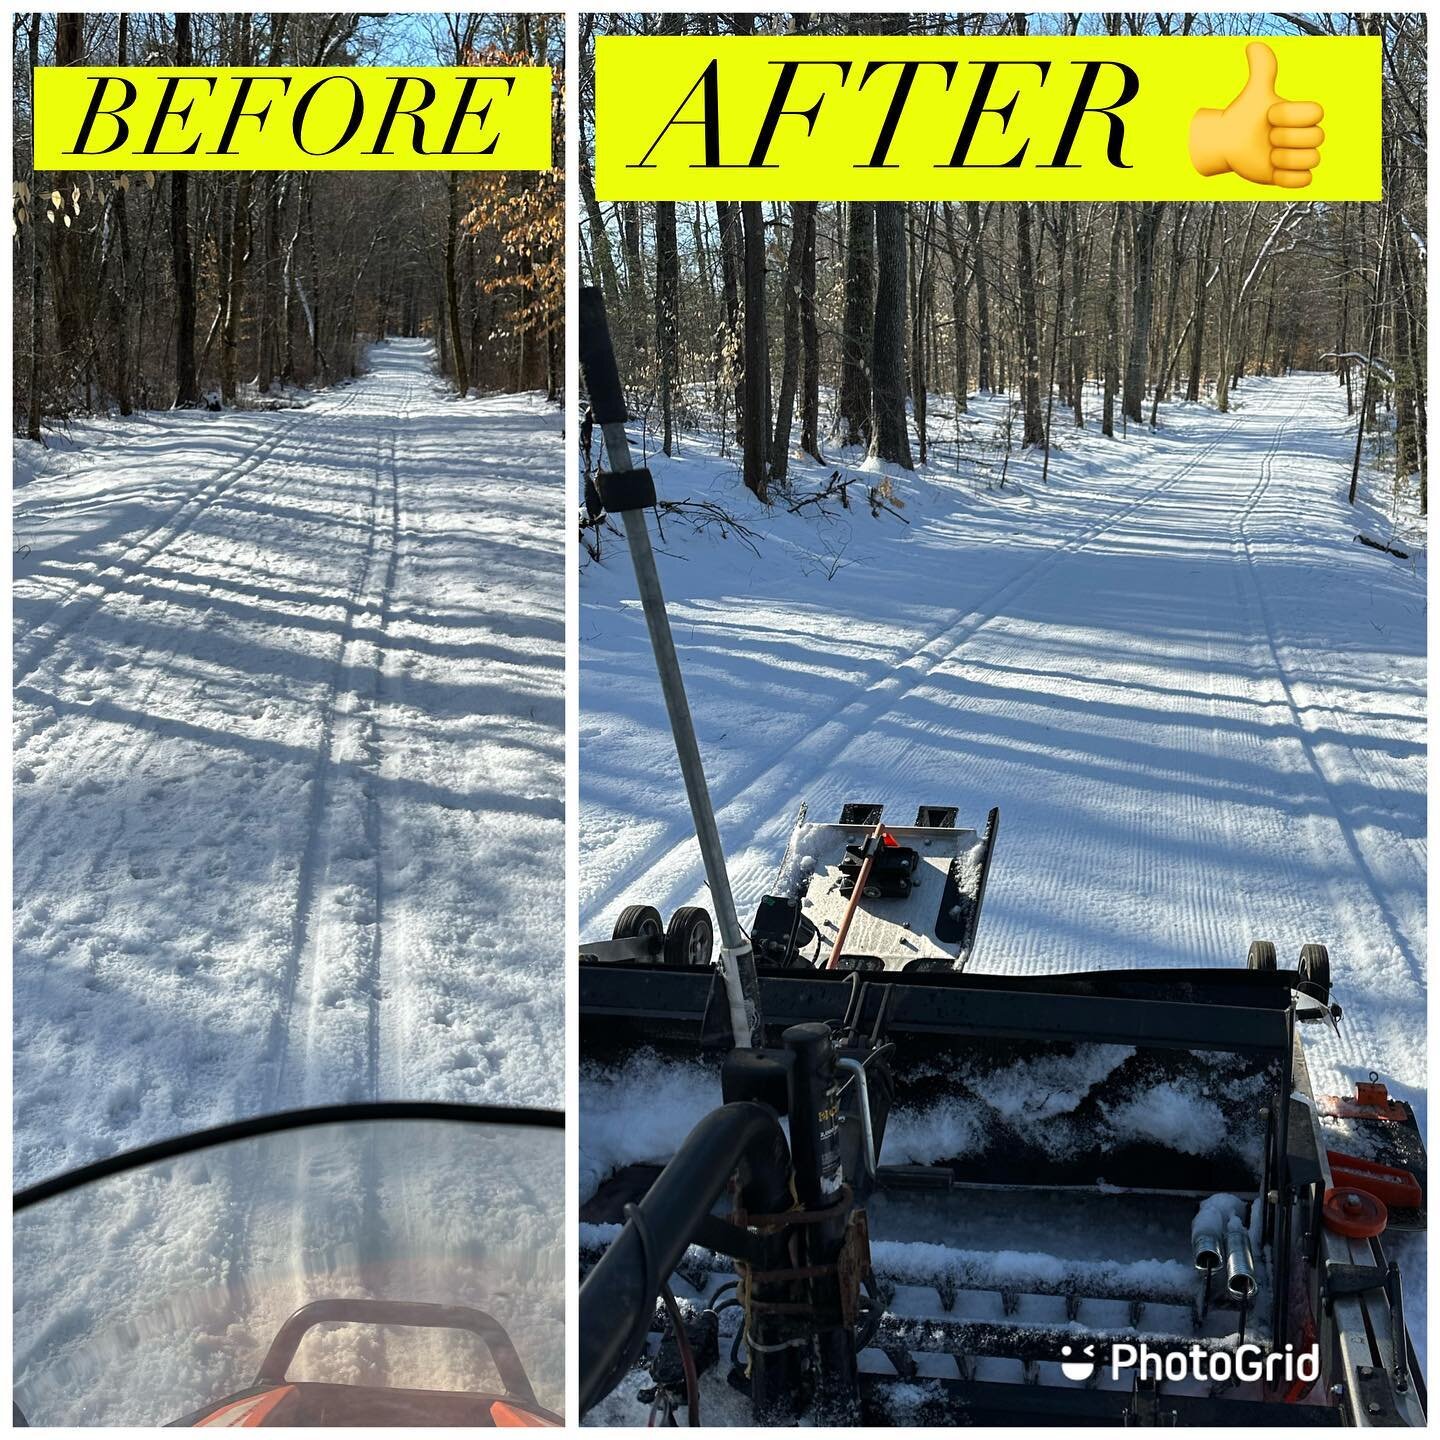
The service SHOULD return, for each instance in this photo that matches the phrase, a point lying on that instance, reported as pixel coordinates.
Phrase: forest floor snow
(289, 739)
(1197, 701)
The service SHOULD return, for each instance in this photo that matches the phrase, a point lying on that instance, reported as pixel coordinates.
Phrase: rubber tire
(1261, 956)
(689, 937)
(639, 922)
(1315, 966)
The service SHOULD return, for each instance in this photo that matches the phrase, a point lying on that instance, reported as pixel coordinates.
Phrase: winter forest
(143, 290)
(790, 328)
(1099, 530)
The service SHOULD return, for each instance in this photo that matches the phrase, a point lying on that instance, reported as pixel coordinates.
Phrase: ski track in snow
(1199, 704)
(898, 682)
(289, 762)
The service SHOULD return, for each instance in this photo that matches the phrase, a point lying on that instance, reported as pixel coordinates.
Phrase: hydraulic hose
(617, 1300)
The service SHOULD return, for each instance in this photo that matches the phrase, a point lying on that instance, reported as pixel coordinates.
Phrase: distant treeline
(150, 290)
(797, 325)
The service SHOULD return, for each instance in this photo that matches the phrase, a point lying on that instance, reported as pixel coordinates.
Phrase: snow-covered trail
(289, 762)
(1199, 704)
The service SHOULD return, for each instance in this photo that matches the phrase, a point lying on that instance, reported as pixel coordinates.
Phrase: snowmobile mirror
(386, 1264)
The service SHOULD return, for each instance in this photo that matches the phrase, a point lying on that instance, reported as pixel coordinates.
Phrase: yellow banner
(349, 118)
(1023, 118)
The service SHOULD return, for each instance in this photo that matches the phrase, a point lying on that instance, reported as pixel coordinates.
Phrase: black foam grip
(597, 359)
(622, 490)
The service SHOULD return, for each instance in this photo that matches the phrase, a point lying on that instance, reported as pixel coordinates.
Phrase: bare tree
(756, 419)
(187, 389)
(891, 440)
(855, 419)
(867, 310)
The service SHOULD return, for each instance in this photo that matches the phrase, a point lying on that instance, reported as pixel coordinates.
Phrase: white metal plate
(898, 930)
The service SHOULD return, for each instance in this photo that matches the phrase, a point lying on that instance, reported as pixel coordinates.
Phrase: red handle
(1394, 1186)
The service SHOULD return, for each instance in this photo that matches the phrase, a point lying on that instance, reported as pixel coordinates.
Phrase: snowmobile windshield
(376, 1264)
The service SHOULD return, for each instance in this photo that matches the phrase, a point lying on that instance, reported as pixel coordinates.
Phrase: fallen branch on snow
(700, 515)
(1381, 545)
(880, 497)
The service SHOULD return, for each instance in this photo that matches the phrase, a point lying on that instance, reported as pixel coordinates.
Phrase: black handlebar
(398, 1312)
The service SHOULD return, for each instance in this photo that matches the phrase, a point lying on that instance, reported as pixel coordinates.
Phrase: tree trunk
(314, 312)
(69, 281)
(1077, 321)
(452, 291)
(732, 265)
(960, 310)
(1034, 431)
(271, 350)
(1408, 361)
(1167, 329)
(187, 390)
(919, 310)
(119, 262)
(1112, 328)
(235, 287)
(667, 314)
(891, 440)
(1060, 236)
(810, 343)
(1342, 338)
(1202, 290)
(630, 239)
(982, 298)
(790, 351)
(1147, 223)
(854, 422)
(960, 304)
(37, 265)
(756, 424)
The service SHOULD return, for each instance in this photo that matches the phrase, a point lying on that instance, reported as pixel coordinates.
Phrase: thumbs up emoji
(1268, 140)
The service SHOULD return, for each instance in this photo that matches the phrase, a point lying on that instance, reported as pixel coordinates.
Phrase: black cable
(687, 1357)
(640, 1325)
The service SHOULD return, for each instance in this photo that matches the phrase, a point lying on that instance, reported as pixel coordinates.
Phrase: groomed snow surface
(288, 781)
(1199, 704)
